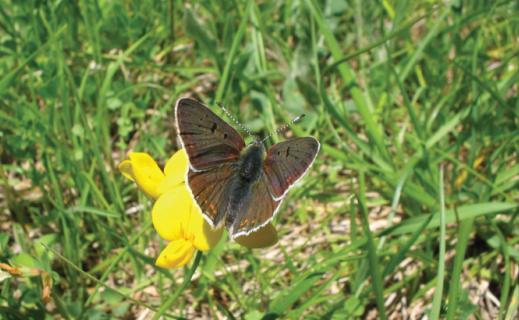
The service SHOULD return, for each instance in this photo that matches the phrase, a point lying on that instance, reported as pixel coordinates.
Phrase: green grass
(394, 91)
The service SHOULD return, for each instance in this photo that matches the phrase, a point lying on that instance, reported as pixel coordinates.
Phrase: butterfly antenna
(238, 123)
(285, 127)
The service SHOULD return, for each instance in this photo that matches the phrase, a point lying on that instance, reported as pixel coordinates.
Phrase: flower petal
(262, 238)
(176, 166)
(125, 167)
(169, 182)
(175, 171)
(176, 254)
(203, 235)
(146, 173)
(170, 213)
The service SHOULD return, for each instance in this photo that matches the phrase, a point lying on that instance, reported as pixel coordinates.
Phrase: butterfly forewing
(211, 190)
(288, 161)
(256, 211)
(208, 140)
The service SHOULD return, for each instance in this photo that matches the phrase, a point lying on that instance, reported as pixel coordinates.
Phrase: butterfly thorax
(251, 162)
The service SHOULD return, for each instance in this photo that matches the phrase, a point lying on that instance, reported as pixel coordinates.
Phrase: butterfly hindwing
(207, 139)
(211, 190)
(287, 162)
(258, 209)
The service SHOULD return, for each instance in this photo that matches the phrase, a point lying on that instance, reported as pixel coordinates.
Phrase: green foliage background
(411, 207)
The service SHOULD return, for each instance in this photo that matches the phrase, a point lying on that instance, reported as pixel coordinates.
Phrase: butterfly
(238, 185)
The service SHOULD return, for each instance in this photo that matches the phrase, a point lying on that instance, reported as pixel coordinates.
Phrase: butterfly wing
(207, 139)
(257, 209)
(287, 162)
(211, 190)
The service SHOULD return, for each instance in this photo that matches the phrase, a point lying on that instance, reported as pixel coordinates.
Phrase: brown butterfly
(241, 186)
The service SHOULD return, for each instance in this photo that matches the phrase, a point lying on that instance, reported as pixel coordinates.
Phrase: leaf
(289, 296)
(199, 33)
(462, 213)
(24, 260)
(99, 212)
(351, 309)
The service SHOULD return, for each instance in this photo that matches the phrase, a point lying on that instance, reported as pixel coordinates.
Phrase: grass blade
(373, 129)
(438, 292)
(372, 251)
(224, 80)
(94, 279)
(454, 286)
(513, 308)
(289, 296)
(451, 215)
(187, 279)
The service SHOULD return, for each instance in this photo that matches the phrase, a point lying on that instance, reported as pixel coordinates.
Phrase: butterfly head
(256, 146)
(256, 143)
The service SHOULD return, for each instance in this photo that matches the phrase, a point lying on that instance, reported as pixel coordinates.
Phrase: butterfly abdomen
(250, 169)
(240, 191)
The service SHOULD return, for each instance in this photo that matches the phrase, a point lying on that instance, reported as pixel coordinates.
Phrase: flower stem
(165, 306)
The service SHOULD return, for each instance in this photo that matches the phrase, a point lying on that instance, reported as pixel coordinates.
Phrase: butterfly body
(251, 162)
(248, 172)
(234, 184)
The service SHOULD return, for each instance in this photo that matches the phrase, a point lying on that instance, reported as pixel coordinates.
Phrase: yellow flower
(175, 216)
